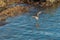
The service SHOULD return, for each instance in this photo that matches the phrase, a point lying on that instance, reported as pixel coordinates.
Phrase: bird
(37, 15)
(37, 18)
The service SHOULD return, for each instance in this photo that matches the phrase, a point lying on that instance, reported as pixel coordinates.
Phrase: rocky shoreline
(6, 12)
(4, 3)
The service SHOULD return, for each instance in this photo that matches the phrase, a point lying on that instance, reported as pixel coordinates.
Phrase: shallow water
(23, 27)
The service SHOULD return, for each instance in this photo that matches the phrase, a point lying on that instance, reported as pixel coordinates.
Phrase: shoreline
(9, 12)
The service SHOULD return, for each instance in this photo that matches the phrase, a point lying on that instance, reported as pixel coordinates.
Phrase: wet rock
(3, 23)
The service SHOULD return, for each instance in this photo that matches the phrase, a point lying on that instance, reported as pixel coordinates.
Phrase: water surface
(23, 27)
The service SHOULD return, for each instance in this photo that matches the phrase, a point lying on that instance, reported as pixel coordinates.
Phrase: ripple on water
(23, 27)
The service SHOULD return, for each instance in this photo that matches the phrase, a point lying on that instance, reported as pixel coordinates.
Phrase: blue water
(23, 27)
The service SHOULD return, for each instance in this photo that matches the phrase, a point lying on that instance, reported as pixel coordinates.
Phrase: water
(23, 27)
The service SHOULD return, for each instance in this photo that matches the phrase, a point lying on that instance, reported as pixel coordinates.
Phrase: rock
(3, 23)
(2, 3)
(52, 1)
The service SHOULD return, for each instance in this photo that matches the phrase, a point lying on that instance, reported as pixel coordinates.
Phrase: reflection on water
(23, 27)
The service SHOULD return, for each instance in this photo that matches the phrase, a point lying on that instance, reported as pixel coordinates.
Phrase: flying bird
(37, 15)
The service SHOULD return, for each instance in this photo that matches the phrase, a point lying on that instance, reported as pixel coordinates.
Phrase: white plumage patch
(37, 16)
